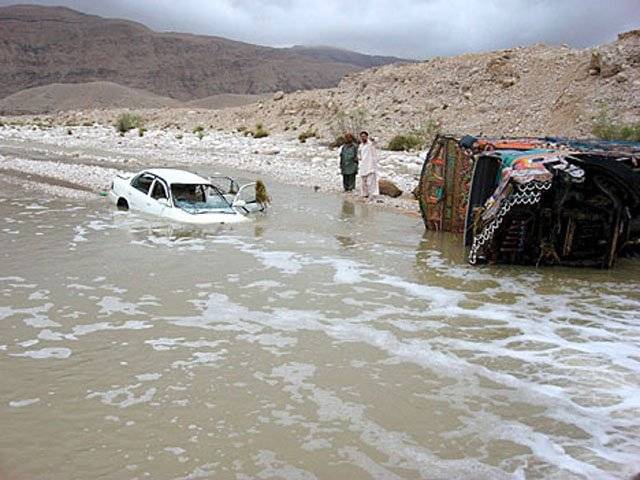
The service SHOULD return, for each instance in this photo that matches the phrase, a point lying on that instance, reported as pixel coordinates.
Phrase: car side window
(159, 191)
(143, 182)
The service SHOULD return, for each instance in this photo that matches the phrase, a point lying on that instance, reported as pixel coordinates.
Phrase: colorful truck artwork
(534, 201)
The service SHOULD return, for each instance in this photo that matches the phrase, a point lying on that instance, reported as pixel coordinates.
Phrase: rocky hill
(46, 45)
(536, 90)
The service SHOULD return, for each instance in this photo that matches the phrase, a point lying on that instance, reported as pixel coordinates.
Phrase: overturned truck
(534, 201)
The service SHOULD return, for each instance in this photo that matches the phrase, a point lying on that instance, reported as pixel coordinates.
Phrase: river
(325, 339)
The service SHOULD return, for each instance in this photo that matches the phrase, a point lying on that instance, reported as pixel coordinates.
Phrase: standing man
(368, 157)
(349, 162)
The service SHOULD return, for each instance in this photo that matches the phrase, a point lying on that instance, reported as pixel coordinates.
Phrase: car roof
(173, 175)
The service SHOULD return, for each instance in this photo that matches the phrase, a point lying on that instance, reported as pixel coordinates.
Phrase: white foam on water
(124, 397)
(39, 295)
(175, 450)
(286, 262)
(262, 285)
(365, 463)
(80, 330)
(401, 450)
(80, 233)
(201, 358)
(111, 305)
(161, 344)
(12, 279)
(274, 468)
(35, 206)
(440, 358)
(274, 343)
(45, 353)
(147, 377)
(23, 403)
(49, 335)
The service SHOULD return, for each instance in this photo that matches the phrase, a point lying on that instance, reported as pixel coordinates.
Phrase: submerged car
(533, 201)
(185, 197)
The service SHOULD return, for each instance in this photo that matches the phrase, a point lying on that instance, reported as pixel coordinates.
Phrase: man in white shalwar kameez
(368, 167)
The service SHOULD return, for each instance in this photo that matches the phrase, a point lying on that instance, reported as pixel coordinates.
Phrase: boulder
(278, 95)
(387, 187)
(605, 64)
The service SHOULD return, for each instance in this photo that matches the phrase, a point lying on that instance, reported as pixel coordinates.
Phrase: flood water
(326, 339)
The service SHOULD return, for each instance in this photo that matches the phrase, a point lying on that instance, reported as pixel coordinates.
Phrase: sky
(417, 29)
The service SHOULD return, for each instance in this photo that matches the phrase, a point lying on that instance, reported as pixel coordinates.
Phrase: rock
(278, 95)
(621, 77)
(387, 187)
(508, 82)
(605, 63)
(467, 95)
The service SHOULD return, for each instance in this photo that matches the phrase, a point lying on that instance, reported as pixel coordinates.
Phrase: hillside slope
(536, 90)
(45, 45)
(82, 96)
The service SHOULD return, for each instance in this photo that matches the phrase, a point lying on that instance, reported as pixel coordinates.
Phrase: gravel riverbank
(93, 154)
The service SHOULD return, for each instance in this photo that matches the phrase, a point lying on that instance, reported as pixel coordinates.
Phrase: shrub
(353, 121)
(199, 132)
(87, 124)
(416, 139)
(141, 131)
(401, 143)
(304, 136)
(179, 136)
(606, 127)
(128, 121)
(259, 131)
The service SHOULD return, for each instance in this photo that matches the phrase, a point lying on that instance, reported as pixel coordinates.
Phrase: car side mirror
(239, 203)
(164, 202)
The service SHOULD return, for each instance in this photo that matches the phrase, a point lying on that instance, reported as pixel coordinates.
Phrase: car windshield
(199, 199)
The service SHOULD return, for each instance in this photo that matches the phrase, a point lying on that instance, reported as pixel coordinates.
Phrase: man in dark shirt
(349, 162)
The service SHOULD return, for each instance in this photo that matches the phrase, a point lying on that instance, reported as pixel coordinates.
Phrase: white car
(183, 196)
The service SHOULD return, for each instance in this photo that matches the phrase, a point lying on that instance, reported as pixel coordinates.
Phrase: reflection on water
(324, 340)
(348, 209)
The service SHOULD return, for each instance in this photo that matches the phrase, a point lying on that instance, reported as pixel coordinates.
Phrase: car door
(139, 191)
(245, 200)
(158, 199)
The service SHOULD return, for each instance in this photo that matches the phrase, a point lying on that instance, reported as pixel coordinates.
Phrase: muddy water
(325, 340)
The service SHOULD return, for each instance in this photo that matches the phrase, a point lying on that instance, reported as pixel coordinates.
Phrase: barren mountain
(45, 45)
(534, 90)
(346, 56)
